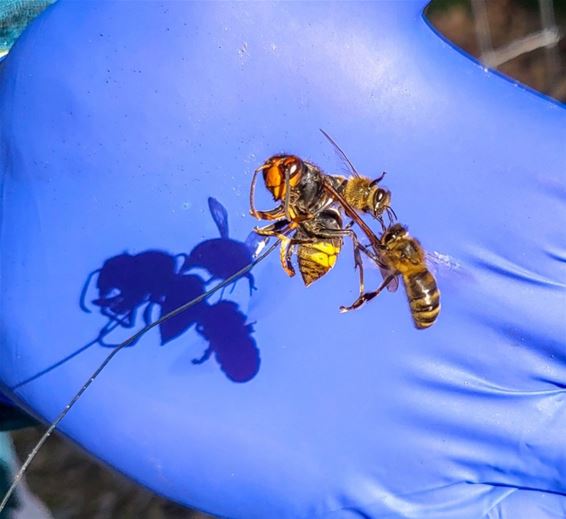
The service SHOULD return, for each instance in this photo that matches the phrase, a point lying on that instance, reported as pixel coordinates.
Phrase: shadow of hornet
(128, 284)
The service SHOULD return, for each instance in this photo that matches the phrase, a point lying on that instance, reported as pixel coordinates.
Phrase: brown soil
(73, 486)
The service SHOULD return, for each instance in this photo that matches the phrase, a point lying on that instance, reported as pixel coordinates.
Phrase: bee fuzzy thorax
(357, 191)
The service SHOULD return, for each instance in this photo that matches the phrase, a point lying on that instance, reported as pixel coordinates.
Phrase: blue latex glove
(117, 129)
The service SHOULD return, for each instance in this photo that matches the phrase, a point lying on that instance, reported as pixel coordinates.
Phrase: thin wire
(105, 362)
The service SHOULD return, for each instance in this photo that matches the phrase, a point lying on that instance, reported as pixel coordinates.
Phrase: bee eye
(293, 169)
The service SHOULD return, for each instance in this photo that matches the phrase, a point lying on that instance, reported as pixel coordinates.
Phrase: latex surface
(127, 117)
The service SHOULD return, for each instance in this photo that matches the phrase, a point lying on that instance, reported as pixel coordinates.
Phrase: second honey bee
(402, 255)
(361, 193)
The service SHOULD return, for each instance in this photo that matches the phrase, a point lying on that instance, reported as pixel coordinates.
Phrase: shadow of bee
(223, 256)
(129, 283)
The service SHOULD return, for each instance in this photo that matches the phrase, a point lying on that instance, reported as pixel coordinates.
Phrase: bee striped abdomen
(424, 297)
(316, 259)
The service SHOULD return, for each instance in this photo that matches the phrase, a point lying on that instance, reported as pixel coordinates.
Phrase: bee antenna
(134, 338)
(341, 153)
(253, 210)
(378, 179)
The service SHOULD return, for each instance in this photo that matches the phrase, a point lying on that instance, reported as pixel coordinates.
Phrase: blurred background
(522, 39)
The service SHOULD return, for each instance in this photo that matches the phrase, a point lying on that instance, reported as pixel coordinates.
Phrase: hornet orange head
(279, 167)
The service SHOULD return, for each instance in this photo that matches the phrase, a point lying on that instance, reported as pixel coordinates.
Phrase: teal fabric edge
(15, 15)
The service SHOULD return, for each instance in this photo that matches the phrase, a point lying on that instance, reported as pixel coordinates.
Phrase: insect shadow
(130, 285)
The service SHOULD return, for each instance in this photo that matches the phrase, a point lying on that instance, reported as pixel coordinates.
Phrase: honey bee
(362, 193)
(402, 255)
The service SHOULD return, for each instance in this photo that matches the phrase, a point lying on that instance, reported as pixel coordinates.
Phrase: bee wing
(445, 267)
(394, 283)
(439, 262)
(219, 215)
(256, 243)
(341, 154)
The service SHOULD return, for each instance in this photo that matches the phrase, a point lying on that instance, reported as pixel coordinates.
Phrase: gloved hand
(117, 129)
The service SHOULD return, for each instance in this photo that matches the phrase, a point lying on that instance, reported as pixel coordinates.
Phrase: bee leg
(111, 315)
(348, 232)
(273, 229)
(106, 329)
(274, 214)
(350, 225)
(285, 255)
(340, 234)
(131, 320)
(205, 356)
(147, 313)
(368, 296)
(358, 264)
(253, 210)
(280, 230)
(251, 282)
(127, 321)
(372, 255)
